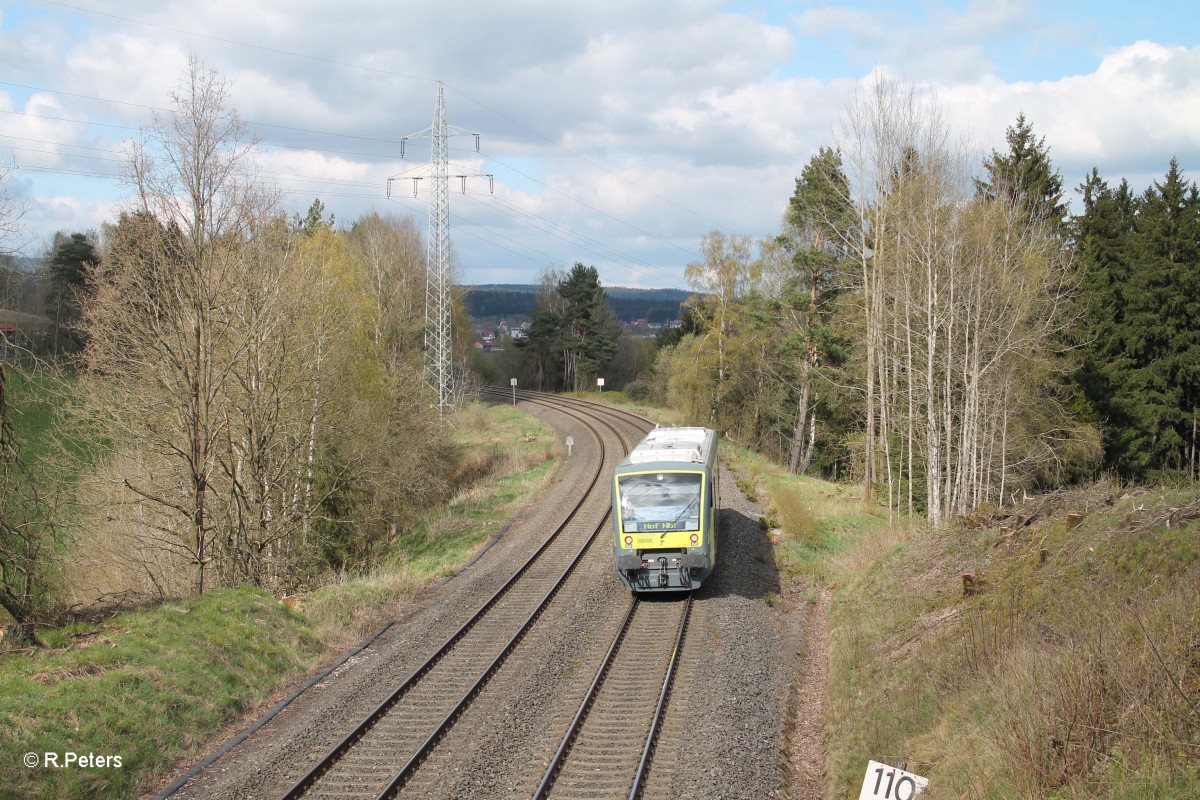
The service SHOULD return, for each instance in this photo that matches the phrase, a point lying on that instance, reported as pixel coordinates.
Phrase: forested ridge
(497, 301)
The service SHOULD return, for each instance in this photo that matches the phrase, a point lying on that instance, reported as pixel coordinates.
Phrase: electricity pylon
(439, 345)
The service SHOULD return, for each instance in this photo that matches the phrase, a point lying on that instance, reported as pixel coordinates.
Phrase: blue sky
(619, 132)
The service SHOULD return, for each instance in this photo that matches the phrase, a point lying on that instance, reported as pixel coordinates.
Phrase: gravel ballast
(723, 735)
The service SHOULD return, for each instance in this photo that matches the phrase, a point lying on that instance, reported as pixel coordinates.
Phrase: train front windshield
(660, 501)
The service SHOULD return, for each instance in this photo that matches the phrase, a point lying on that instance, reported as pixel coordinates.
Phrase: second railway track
(379, 756)
(607, 749)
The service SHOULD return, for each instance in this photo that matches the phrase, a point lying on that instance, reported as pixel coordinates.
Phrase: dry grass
(122, 548)
(1072, 669)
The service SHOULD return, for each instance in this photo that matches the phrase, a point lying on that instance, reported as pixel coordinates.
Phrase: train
(665, 511)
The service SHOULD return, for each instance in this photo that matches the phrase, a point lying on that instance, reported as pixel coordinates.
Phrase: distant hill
(28, 264)
(501, 300)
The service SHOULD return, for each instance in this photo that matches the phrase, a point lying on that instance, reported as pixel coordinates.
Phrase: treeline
(1139, 327)
(499, 302)
(573, 338)
(943, 333)
(246, 401)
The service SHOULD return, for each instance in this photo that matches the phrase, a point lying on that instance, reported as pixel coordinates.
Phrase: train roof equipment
(673, 444)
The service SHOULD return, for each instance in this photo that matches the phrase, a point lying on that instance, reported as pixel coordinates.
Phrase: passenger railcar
(665, 500)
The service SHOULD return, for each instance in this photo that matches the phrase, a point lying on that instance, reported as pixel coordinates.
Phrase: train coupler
(664, 577)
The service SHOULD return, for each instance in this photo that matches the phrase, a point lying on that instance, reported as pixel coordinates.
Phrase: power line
(511, 210)
(344, 182)
(64, 171)
(261, 143)
(574, 199)
(571, 236)
(584, 158)
(391, 73)
(169, 111)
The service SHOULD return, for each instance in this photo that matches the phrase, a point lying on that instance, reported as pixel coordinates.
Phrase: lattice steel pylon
(439, 344)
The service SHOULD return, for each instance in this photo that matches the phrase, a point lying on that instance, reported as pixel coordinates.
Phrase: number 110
(893, 783)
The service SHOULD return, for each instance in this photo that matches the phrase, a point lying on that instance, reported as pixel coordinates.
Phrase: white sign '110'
(888, 783)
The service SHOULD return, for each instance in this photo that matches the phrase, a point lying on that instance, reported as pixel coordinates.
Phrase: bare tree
(11, 212)
(961, 298)
(162, 339)
(725, 276)
(391, 251)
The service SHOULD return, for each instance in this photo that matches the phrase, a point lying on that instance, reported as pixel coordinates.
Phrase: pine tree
(818, 209)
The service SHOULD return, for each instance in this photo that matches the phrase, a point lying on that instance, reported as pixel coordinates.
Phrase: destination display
(635, 526)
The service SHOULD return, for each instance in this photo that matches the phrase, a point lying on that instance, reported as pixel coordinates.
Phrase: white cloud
(685, 115)
(1129, 117)
(51, 213)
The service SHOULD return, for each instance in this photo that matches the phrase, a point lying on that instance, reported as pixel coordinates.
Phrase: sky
(616, 133)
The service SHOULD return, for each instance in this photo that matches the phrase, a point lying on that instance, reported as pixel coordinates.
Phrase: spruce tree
(1163, 314)
(70, 260)
(1024, 176)
(1141, 317)
(588, 331)
(574, 330)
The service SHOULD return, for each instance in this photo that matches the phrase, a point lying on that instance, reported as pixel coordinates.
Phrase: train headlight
(695, 538)
(629, 541)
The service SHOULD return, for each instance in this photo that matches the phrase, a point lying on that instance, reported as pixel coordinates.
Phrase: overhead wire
(492, 242)
(593, 208)
(511, 210)
(581, 157)
(169, 111)
(569, 235)
(240, 44)
(465, 95)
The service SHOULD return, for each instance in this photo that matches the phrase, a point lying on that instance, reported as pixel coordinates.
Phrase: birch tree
(391, 251)
(962, 298)
(725, 276)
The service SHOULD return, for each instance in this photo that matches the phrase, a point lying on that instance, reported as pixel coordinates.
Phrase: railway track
(379, 756)
(608, 747)
(497, 733)
(606, 751)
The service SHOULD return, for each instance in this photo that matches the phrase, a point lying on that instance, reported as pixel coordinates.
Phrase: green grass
(31, 409)
(664, 416)
(144, 687)
(152, 686)
(509, 456)
(813, 520)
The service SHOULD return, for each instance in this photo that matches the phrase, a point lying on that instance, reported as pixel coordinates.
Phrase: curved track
(607, 750)
(379, 756)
